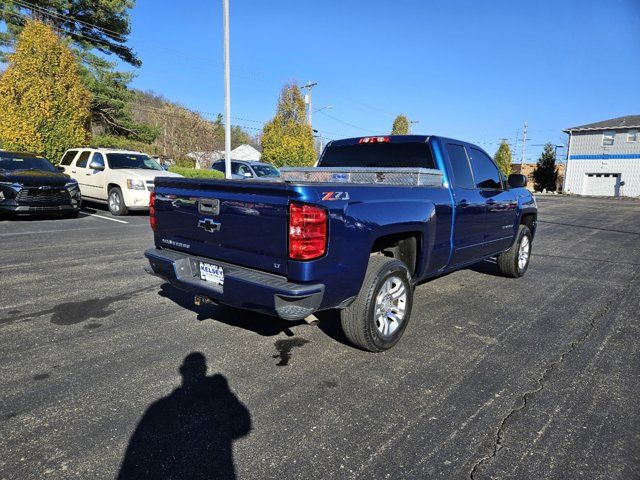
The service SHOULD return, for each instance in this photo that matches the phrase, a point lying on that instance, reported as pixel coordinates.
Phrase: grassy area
(196, 173)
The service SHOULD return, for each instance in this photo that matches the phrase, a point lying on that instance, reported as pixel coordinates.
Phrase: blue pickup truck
(376, 216)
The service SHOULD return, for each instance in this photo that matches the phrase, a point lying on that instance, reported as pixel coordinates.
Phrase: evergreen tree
(287, 139)
(545, 175)
(44, 107)
(503, 158)
(400, 125)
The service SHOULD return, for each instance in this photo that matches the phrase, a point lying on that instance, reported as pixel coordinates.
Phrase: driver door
(95, 177)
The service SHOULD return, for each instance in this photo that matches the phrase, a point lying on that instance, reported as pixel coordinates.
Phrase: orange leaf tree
(44, 107)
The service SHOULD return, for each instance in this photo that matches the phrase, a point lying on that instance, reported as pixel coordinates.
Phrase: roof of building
(242, 152)
(628, 121)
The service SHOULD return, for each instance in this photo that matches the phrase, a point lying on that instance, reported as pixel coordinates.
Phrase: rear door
(470, 208)
(245, 223)
(67, 159)
(501, 204)
(78, 170)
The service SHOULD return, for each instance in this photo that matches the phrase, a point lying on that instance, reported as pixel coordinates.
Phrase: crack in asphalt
(521, 403)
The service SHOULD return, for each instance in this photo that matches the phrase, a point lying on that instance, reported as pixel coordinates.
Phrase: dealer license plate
(211, 273)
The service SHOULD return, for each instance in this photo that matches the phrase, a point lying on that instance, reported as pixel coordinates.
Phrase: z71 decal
(329, 196)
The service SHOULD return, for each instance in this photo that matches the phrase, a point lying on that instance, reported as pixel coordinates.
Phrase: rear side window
(68, 157)
(460, 164)
(82, 159)
(218, 166)
(485, 172)
(407, 154)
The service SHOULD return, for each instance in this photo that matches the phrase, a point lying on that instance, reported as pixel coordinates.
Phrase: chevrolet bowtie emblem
(209, 225)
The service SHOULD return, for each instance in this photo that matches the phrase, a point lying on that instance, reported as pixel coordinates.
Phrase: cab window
(82, 159)
(485, 172)
(462, 177)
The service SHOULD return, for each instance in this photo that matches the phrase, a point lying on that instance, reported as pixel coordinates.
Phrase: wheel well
(112, 185)
(530, 220)
(403, 246)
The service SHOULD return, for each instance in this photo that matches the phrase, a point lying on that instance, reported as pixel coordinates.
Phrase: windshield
(405, 154)
(21, 161)
(265, 171)
(132, 160)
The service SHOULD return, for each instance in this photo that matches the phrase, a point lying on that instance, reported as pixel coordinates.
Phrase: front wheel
(116, 202)
(515, 261)
(377, 318)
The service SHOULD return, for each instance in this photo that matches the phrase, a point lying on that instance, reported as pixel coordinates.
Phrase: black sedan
(31, 184)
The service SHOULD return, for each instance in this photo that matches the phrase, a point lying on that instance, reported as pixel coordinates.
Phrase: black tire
(117, 207)
(359, 323)
(508, 262)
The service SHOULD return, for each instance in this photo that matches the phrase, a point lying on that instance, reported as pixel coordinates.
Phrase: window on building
(632, 136)
(608, 138)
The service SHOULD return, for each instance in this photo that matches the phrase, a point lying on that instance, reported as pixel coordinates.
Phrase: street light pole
(227, 91)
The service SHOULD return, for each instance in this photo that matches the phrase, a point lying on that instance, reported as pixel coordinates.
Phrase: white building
(243, 152)
(604, 158)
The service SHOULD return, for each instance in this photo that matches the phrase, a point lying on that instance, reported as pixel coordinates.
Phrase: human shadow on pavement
(264, 325)
(189, 433)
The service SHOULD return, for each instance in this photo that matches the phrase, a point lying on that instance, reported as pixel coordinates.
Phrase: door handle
(463, 204)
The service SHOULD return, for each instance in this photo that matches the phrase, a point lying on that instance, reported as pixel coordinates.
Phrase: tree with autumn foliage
(287, 139)
(44, 107)
(503, 158)
(400, 125)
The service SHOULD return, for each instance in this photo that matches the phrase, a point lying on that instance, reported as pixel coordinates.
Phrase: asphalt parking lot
(102, 367)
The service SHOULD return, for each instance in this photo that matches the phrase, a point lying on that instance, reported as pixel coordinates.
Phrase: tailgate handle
(209, 206)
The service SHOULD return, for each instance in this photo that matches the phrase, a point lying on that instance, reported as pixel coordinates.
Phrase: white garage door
(601, 184)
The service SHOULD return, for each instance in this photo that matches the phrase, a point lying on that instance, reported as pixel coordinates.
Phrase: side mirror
(96, 166)
(517, 180)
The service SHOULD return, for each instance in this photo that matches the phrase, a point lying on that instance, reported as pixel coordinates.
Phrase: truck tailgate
(235, 221)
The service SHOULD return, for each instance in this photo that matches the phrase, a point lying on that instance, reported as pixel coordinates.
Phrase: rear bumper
(243, 287)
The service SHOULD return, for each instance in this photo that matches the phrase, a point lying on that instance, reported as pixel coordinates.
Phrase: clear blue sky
(470, 69)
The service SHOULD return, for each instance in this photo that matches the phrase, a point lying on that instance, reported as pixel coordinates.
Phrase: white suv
(120, 178)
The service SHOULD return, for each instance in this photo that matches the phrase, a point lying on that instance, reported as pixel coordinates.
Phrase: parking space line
(104, 218)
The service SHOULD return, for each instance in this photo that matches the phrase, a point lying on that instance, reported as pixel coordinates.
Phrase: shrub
(196, 173)
(124, 143)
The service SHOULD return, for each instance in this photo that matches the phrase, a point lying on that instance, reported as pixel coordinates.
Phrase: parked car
(244, 169)
(120, 178)
(353, 234)
(31, 184)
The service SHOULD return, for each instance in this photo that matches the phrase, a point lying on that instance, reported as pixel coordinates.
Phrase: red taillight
(307, 231)
(152, 210)
(374, 140)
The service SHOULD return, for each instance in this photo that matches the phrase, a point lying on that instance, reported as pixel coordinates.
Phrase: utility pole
(227, 91)
(524, 142)
(307, 100)
(411, 122)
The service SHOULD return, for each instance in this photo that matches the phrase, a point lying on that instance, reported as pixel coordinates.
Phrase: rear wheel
(116, 202)
(515, 261)
(377, 318)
